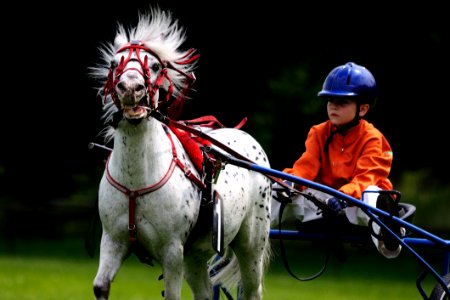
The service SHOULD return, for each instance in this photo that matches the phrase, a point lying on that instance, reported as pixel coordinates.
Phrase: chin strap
(340, 129)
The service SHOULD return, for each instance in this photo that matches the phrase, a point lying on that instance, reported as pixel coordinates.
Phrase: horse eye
(155, 67)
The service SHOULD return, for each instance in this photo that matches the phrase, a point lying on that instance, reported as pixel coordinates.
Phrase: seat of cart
(338, 227)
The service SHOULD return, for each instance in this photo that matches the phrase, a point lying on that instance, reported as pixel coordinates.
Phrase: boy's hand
(336, 204)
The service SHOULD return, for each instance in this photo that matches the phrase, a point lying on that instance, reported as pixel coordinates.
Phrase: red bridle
(135, 47)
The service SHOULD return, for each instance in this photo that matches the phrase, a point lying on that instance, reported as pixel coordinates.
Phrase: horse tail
(224, 270)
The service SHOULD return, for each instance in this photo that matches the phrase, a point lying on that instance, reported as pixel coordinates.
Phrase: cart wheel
(438, 292)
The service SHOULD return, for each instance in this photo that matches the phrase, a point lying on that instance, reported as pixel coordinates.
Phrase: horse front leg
(112, 255)
(172, 265)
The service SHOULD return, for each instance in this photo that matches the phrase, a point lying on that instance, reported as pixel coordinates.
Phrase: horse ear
(120, 40)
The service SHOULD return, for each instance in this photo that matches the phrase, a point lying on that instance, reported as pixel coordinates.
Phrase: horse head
(134, 79)
(145, 70)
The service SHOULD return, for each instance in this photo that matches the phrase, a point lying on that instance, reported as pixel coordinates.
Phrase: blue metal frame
(430, 239)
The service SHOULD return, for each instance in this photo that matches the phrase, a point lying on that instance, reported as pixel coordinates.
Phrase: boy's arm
(372, 168)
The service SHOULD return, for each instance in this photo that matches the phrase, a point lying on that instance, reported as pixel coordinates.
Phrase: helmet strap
(341, 130)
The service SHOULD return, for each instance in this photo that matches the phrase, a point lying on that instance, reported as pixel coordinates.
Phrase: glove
(336, 204)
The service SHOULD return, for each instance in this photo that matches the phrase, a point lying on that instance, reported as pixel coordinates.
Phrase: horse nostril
(139, 87)
(121, 87)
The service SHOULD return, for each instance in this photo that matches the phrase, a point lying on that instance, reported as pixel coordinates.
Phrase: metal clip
(218, 166)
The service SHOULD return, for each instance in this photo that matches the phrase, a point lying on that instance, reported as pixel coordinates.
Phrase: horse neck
(142, 153)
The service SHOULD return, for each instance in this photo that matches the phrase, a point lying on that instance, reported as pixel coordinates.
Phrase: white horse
(151, 193)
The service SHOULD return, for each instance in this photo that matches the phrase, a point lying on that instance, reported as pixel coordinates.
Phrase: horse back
(245, 194)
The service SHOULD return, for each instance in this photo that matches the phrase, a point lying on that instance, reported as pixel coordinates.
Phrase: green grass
(47, 270)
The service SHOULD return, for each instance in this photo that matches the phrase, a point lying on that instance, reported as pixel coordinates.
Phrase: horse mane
(161, 33)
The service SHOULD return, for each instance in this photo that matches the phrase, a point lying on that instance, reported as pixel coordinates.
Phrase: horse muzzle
(133, 99)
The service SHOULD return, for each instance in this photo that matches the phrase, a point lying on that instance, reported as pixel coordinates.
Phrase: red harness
(133, 194)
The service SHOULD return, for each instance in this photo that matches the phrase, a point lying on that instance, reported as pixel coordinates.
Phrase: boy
(346, 153)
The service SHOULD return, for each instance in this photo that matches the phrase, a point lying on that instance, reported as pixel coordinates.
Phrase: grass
(364, 274)
(62, 270)
(47, 270)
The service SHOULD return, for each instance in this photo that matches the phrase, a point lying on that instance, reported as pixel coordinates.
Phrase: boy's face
(341, 110)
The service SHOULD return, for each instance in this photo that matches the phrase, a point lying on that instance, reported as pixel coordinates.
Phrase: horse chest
(174, 206)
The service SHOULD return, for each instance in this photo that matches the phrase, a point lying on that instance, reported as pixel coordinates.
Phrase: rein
(166, 120)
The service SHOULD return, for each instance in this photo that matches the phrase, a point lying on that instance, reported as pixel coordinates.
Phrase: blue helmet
(350, 80)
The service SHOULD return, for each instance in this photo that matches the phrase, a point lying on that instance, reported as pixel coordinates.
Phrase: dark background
(262, 61)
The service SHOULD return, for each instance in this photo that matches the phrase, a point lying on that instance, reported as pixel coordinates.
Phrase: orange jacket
(360, 158)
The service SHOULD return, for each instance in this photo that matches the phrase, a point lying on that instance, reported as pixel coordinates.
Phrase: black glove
(336, 204)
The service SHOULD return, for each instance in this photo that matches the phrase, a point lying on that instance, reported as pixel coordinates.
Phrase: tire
(438, 292)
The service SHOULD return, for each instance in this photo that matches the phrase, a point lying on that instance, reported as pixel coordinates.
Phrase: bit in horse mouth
(138, 110)
(135, 113)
